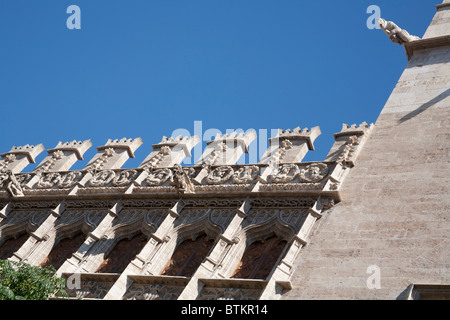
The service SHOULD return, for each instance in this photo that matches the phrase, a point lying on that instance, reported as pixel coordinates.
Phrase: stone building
(368, 222)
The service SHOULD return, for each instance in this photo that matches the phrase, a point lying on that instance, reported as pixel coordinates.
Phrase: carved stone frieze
(304, 202)
(91, 289)
(48, 180)
(101, 178)
(395, 33)
(89, 204)
(312, 173)
(142, 291)
(246, 174)
(213, 203)
(219, 175)
(111, 178)
(148, 203)
(69, 179)
(209, 293)
(123, 178)
(158, 177)
(291, 186)
(224, 187)
(285, 173)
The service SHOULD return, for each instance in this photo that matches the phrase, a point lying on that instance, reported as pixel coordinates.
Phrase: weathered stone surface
(369, 222)
(394, 213)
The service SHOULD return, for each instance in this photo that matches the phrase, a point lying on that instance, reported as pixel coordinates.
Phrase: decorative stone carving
(158, 177)
(98, 164)
(56, 155)
(226, 149)
(349, 149)
(91, 289)
(286, 173)
(327, 203)
(181, 180)
(8, 158)
(245, 174)
(102, 178)
(395, 33)
(48, 180)
(229, 294)
(216, 153)
(123, 178)
(69, 179)
(310, 174)
(219, 175)
(164, 151)
(10, 184)
(141, 291)
(313, 172)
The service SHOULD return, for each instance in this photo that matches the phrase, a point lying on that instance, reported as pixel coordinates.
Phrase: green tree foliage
(21, 281)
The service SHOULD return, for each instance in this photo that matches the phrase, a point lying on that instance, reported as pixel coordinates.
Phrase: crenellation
(161, 172)
(63, 156)
(226, 149)
(114, 154)
(348, 143)
(170, 151)
(288, 146)
(19, 157)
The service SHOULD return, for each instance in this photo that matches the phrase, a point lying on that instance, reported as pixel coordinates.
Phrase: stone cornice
(411, 47)
(443, 5)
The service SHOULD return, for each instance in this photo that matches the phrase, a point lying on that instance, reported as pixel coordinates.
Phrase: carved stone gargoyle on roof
(395, 33)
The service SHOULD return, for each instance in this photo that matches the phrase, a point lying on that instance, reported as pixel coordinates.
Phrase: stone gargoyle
(395, 33)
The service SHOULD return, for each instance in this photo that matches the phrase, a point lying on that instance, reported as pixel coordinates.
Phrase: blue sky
(144, 68)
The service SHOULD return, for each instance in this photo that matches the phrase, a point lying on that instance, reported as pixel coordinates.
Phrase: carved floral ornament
(61, 180)
(288, 172)
(348, 151)
(10, 157)
(117, 179)
(58, 154)
(158, 177)
(223, 174)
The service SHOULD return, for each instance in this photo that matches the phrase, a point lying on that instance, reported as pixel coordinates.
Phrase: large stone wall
(394, 221)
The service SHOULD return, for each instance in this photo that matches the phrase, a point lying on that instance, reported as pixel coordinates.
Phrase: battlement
(350, 130)
(241, 138)
(130, 145)
(30, 151)
(298, 134)
(279, 169)
(186, 142)
(78, 147)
